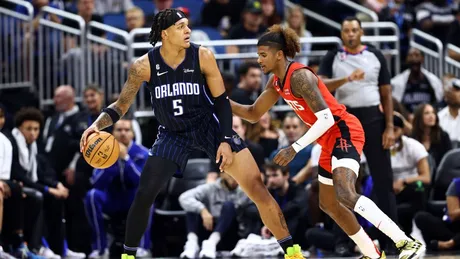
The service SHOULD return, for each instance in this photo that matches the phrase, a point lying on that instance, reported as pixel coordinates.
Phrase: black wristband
(112, 113)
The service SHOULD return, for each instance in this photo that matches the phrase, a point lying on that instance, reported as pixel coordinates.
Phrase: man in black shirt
(416, 85)
(249, 85)
(250, 28)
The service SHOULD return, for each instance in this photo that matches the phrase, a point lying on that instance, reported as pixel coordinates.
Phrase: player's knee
(346, 196)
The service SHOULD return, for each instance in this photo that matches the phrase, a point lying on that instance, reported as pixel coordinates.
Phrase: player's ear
(164, 34)
(279, 55)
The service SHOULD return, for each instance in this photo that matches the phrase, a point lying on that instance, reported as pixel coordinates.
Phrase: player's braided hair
(158, 22)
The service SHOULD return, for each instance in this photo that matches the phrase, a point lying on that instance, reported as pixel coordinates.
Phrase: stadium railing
(60, 54)
(433, 58)
(388, 44)
(16, 46)
(107, 59)
(452, 66)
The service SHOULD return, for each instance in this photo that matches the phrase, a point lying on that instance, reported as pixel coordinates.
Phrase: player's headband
(172, 18)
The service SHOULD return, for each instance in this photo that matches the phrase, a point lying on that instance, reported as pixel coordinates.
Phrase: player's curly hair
(28, 114)
(286, 39)
(158, 21)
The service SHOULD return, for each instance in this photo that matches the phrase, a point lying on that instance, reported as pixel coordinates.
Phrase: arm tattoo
(305, 84)
(136, 76)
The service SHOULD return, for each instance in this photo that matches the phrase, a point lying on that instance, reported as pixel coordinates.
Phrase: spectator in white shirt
(449, 117)
(409, 161)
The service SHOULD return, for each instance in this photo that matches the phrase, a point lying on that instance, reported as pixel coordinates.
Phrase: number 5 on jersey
(177, 106)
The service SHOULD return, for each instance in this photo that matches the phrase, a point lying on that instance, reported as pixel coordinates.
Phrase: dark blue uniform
(183, 106)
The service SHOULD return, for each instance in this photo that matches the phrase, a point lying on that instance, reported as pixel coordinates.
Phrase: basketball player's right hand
(207, 219)
(224, 151)
(84, 137)
(357, 75)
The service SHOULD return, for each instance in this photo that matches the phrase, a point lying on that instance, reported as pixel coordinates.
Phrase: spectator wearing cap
(250, 28)
(449, 117)
(411, 173)
(359, 76)
(416, 85)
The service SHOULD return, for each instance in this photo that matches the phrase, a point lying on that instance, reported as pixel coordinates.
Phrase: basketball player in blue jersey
(189, 100)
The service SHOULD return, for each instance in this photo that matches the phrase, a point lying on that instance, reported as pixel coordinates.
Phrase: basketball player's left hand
(285, 156)
(388, 138)
(224, 151)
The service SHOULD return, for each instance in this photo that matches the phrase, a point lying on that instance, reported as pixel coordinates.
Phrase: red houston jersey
(304, 112)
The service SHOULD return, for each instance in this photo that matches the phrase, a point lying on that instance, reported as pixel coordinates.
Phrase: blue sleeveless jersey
(180, 97)
(183, 106)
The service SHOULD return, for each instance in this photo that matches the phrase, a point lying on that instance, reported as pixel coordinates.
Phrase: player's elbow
(254, 116)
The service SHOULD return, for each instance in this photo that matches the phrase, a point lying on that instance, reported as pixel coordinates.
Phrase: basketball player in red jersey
(339, 133)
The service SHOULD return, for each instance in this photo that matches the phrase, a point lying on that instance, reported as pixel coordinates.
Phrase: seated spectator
(452, 37)
(443, 234)
(265, 133)
(11, 205)
(32, 169)
(134, 18)
(294, 128)
(212, 210)
(250, 83)
(297, 21)
(411, 173)
(434, 18)
(62, 133)
(250, 28)
(112, 6)
(427, 131)
(85, 9)
(449, 117)
(270, 15)
(291, 198)
(114, 189)
(416, 85)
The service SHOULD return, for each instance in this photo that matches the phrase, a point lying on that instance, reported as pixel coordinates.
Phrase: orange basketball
(101, 150)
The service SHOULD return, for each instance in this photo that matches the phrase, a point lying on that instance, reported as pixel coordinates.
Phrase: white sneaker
(95, 254)
(141, 252)
(208, 250)
(48, 253)
(74, 255)
(191, 249)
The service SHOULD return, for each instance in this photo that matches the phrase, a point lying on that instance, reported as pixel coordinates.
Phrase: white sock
(365, 244)
(192, 237)
(214, 237)
(368, 210)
